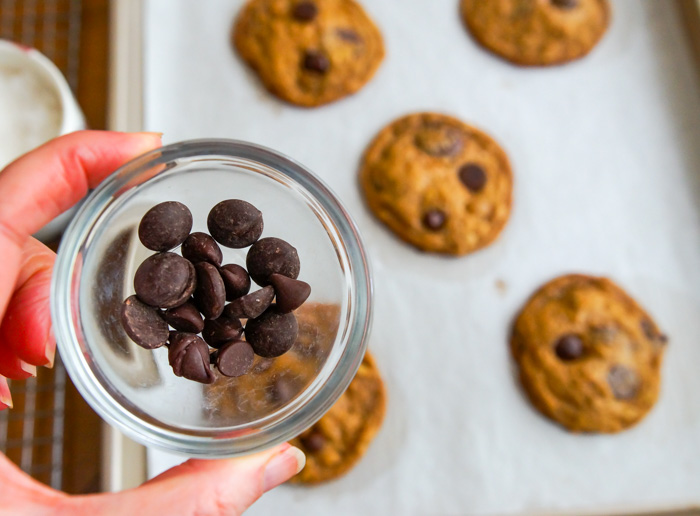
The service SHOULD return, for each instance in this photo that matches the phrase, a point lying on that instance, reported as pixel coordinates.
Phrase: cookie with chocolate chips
(438, 183)
(589, 356)
(537, 32)
(341, 437)
(309, 52)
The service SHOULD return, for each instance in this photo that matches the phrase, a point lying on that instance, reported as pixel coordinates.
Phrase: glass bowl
(135, 389)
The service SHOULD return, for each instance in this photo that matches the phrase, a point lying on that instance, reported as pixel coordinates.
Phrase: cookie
(309, 52)
(537, 32)
(589, 356)
(438, 183)
(341, 437)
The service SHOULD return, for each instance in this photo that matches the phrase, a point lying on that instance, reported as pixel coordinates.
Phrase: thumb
(211, 487)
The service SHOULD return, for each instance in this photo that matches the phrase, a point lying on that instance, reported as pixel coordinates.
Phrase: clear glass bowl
(135, 389)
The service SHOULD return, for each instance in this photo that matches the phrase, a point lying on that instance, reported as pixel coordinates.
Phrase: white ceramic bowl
(72, 118)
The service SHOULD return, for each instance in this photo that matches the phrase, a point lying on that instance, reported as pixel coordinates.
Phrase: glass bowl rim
(108, 407)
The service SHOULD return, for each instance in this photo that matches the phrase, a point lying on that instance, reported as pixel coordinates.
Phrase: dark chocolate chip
(236, 281)
(565, 4)
(165, 226)
(569, 347)
(250, 305)
(290, 293)
(304, 11)
(210, 294)
(235, 358)
(165, 280)
(272, 255)
(348, 35)
(185, 317)
(273, 333)
(313, 442)
(200, 247)
(213, 356)
(624, 382)
(188, 355)
(282, 390)
(439, 141)
(316, 61)
(473, 177)
(651, 332)
(434, 219)
(219, 331)
(235, 223)
(143, 324)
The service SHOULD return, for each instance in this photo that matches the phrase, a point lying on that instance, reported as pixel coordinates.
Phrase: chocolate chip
(313, 442)
(235, 223)
(143, 324)
(569, 347)
(272, 255)
(434, 219)
(624, 382)
(273, 333)
(236, 281)
(165, 226)
(304, 11)
(651, 332)
(185, 317)
(219, 331)
(316, 61)
(165, 280)
(282, 390)
(210, 294)
(200, 247)
(348, 35)
(235, 358)
(290, 293)
(565, 4)
(188, 355)
(473, 177)
(439, 141)
(250, 305)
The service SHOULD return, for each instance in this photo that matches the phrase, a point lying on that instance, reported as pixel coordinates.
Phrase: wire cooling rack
(31, 434)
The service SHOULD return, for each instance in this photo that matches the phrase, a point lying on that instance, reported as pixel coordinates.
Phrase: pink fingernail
(282, 467)
(50, 349)
(5, 395)
(27, 368)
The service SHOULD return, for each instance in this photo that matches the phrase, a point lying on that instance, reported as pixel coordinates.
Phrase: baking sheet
(606, 156)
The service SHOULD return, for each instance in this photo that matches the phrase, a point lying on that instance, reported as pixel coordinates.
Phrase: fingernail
(5, 395)
(50, 349)
(282, 467)
(27, 368)
(151, 133)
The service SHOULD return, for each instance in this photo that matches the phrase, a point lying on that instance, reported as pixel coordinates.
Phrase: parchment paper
(606, 155)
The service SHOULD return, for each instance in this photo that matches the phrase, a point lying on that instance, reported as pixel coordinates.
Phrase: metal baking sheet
(606, 156)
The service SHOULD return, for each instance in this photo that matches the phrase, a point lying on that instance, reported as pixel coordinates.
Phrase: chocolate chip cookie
(309, 52)
(537, 32)
(438, 183)
(589, 355)
(341, 437)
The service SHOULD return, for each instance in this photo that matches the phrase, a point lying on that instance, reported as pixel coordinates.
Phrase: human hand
(33, 190)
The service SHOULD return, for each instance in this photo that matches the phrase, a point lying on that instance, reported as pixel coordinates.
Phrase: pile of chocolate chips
(189, 293)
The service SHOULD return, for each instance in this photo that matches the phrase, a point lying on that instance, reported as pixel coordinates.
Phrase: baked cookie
(537, 32)
(340, 438)
(589, 355)
(309, 52)
(438, 183)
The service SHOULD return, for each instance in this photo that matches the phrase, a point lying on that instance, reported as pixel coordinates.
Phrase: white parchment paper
(606, 155)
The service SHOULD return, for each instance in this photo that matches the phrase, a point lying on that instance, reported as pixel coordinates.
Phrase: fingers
(205, 487)
(42, 184)
(20, 494)
(25, 331)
